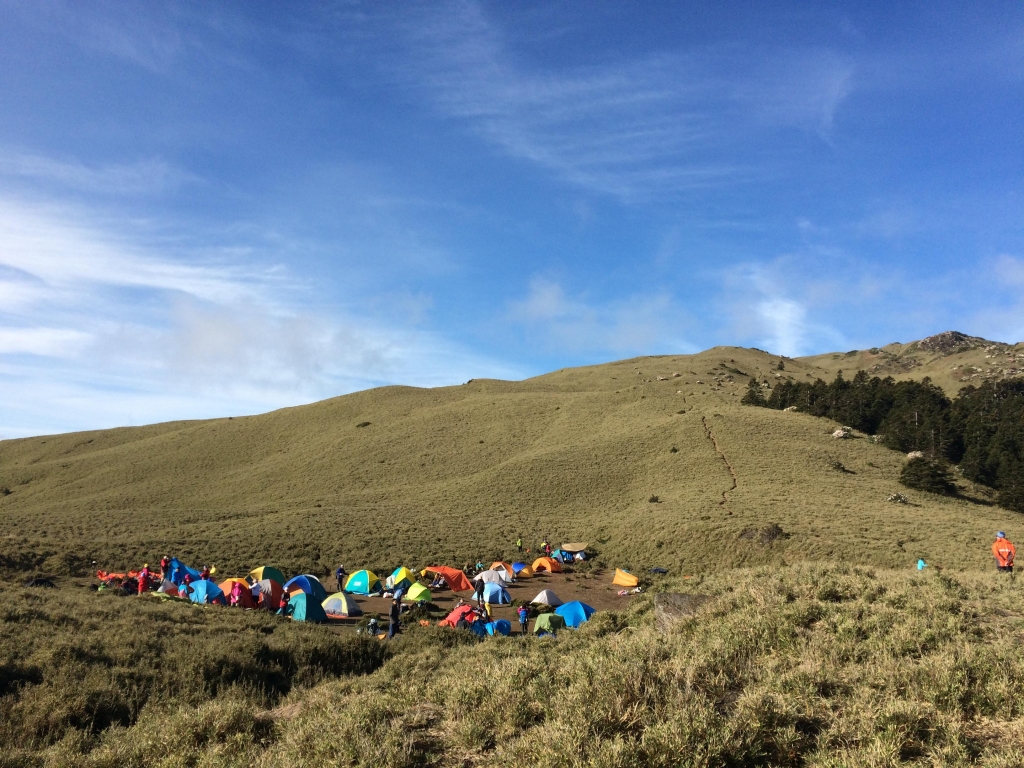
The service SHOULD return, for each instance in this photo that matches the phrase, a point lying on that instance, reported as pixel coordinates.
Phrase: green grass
(808, 665)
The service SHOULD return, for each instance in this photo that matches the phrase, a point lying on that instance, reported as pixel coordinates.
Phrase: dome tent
(548, 623)
(492, 577)
(499, 627)
(308, 584)
(418, 593)
(363, 583)
(266, 572)
(307, 608)
(522, 570)
(401, 577)
(245, 598)
(495, 594)
(547, 597)
(548, 564)
(204, 592)
(340, 605)
(574, 613)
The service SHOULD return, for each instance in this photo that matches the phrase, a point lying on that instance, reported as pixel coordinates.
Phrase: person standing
(480, 592)
(165, 568)
(1004, 552)
(394, 618)
(519, 544)
(340, 576)
(524, 619)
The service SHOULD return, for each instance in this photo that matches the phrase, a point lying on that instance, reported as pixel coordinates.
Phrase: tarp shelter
(574, 547)
(363, 583)
(453, 618)
(178, 571)
(205, 592)
(266, 572)
(307, 608)
(548, 622)
(401, 577)
(270, 594)
(574, 613)
(548, 564)
(499, 627)
(547, 597)
(339, 604)
(244, 599)
(522, 570)
(456, 579)
(624, 579)
(492, 577)
(495, 594)
(309, 584)
(418, 593)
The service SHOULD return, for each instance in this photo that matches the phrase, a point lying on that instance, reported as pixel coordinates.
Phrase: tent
(245, 599)
(453, 618)
(479, 628)
(574, 547)
(363, 583)
(574, 613)
(456, 579)
(402, 577)
(179, 569)
(546, 564)
(270, 594)
(624, 579)
(548, 622)
(339, 604)
(206, 592)
(492, 577)
(418, 593)
(522, 570)
(562, 556)
(547, 597)
(307, 608)
(495, 594)
(167, 588)
(309, 584)
(266, 572)
(500, 565)
(499, 627)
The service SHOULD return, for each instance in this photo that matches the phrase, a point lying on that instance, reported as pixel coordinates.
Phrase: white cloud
(145, 176)
(97, 330)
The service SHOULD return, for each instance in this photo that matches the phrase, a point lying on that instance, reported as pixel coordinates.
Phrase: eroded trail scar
(732, 472)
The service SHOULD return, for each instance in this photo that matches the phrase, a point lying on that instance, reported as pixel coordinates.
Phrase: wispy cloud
(144, 176)
(654, 125)
(574, 325)
(114, 321)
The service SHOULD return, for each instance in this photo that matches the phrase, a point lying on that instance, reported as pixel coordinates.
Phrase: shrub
(928, 475)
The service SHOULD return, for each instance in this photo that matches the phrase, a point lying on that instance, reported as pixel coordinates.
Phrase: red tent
(453, 618)
(270, 594)
(456, 579)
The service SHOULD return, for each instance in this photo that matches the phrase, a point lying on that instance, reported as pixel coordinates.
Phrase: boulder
(670, 607)
(790, 409)
(915, 455)
(842, 433)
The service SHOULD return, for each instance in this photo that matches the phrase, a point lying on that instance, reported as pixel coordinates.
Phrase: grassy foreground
(801, 665)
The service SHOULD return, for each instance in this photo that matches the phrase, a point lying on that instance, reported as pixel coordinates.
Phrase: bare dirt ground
(596, 590)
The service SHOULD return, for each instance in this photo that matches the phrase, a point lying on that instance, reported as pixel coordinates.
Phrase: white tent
(547, 597)
(493, 577)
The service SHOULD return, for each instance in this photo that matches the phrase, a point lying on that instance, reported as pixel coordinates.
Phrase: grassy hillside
(457, 473)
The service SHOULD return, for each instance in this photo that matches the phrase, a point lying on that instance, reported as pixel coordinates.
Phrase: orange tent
(624, 579)
(506, 567)
(548, 564)
(244, 599)
(456, 579)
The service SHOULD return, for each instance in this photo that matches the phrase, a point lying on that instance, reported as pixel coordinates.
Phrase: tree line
(981, 430)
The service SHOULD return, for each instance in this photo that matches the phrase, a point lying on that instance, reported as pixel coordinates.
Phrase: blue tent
(496, 594)
(499, 627)
(178, 571)
(205, 592)
(562, 556)
(517, 567)
(478, 627)
(307, 608)
(310, 585)
(574, 613)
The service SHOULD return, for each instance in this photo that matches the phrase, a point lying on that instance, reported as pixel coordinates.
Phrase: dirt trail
(732, 472)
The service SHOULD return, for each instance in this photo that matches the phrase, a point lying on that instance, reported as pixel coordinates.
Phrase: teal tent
(305, 608)
(363, 583)
(574, 613)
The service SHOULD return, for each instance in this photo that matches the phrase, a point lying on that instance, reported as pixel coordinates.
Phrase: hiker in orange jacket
(1004, 552)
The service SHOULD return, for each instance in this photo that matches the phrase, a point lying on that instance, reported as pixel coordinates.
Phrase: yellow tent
(624, 579)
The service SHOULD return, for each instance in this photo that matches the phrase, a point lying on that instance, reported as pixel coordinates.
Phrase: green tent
(416, 593)
(306, 608)
(548, 622)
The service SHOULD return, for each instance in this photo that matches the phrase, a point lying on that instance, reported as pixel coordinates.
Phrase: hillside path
(718, 450)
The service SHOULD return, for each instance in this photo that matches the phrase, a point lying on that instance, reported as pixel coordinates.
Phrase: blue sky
(213, 209)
